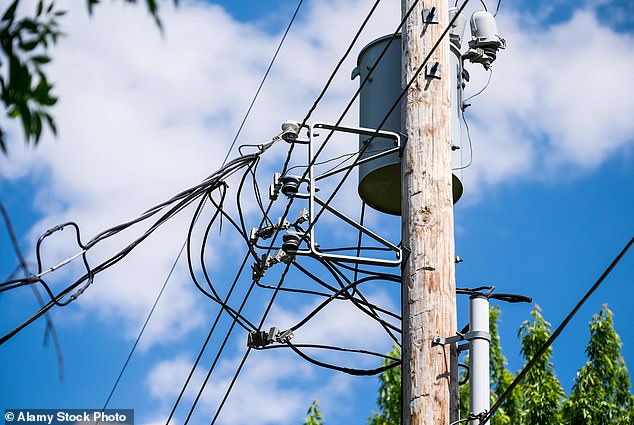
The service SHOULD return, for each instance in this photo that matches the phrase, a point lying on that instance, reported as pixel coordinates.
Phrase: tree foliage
(600, 395)
(601, 392)
(314, 417)
(25, 41)
(24, 88)
(389, 399)
(541, 392)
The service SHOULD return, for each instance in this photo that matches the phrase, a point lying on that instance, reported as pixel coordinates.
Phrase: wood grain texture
(430, 389)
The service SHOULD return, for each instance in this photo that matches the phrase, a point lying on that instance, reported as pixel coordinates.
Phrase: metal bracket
(430, 16)
(260, 339)
(469, 336)
(433, 70)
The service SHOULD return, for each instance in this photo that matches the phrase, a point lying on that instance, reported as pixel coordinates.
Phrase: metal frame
(312, 198)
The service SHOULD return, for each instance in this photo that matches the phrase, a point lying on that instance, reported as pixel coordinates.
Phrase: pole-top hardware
(274, 189)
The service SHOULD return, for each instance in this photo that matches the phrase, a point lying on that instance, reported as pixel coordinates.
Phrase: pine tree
(601, 392)
(541, 393)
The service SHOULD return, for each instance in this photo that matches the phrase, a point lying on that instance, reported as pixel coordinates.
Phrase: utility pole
(430, 383)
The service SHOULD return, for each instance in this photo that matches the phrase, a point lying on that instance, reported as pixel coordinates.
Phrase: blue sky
(548, 203)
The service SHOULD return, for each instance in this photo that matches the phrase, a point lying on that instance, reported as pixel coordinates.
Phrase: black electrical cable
(184, 200)
(555, 334)
(209, 335)
(340, 63)
(266, 74)
(147, 320)
(369, 311)
(332, 348)
(349, 371)
(497, 9)
(244, 358)
(50, 326)
(242, 321)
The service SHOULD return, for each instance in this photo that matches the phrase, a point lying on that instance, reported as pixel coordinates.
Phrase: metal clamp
(260, 339)
(469, 336)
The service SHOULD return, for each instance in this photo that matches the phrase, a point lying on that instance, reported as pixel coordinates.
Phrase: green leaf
(10, 13)
(40, 6)
(42, 59)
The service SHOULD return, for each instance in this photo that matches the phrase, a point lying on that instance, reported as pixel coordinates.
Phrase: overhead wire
(22, 265)
(284, 168)
(184, 199)
(540, 352)
(266, 74)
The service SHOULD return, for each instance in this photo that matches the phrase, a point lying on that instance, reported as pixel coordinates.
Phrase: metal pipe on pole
(479, 373)
(430, 381)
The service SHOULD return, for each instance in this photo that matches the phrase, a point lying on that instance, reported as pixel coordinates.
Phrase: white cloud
(276, 386)
(556, 102)
(142, 117)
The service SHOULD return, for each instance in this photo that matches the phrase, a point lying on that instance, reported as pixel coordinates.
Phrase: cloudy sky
(549, 197)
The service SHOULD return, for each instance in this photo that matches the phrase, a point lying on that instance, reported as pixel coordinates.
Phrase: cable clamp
(260, 339)
(268, 231)
(302, 217)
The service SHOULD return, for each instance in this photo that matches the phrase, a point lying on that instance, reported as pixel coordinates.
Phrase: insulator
(290, 131)
(291, 242)
(290, 185)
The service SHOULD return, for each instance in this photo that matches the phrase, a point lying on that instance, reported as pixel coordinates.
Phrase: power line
(147, 319)
(555, 334)
(266, 74)
(50, 326)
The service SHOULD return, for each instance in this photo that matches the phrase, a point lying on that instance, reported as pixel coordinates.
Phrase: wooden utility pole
(430, 384)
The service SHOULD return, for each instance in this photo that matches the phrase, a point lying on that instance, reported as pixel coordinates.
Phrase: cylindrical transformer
(380, 179)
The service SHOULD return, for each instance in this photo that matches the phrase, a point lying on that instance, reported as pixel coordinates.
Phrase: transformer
(380, 179)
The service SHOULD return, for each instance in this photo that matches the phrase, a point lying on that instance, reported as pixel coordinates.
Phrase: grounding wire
(266, 74)
(462, 167)
(556, 333)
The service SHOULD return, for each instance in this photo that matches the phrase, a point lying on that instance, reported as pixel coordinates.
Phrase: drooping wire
(497, 9)
(266, 74)
(533, 361)
(184, 199)
(347, 370)
(462, 167)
